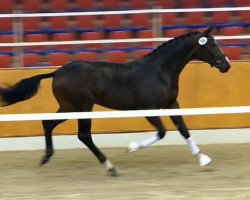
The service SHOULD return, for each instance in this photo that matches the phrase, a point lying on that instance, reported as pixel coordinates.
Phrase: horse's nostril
(226, 69)
(217, 63)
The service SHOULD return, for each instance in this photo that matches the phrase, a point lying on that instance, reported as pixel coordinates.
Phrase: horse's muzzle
(223, 64)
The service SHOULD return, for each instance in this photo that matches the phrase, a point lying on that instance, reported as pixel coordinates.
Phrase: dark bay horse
(150, 82)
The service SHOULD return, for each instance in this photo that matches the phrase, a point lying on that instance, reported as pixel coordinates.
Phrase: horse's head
(209, 51)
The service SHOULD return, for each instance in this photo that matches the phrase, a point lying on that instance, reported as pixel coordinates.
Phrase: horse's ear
(208, 31)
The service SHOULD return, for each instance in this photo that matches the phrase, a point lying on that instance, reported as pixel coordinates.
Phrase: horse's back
(99, 82)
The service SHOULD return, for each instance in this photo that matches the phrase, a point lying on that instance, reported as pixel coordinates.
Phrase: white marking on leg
(204, 159)
(148, 142)
(195, 150)
(192, 146)
(110, 168)
(134, 146)
(108, 164)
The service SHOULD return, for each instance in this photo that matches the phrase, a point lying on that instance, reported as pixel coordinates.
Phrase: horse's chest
(168, 88)
(164, 96)
(158, 94)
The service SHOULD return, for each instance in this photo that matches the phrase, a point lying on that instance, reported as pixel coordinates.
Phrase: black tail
(23, 90)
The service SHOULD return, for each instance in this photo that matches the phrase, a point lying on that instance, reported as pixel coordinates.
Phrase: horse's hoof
(133, 146)
(112, 172)
(44, 160)
(204, 160)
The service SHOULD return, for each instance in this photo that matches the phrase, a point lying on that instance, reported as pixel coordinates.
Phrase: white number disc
(202, 40)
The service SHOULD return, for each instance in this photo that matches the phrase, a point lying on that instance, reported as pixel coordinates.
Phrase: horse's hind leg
(84, 135)
(48, 126)
(195, 150)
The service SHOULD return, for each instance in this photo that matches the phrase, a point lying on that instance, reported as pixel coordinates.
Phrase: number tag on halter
(202, 41)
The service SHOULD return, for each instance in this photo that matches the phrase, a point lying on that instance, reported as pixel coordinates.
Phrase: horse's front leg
(156, 122)
(195, 150)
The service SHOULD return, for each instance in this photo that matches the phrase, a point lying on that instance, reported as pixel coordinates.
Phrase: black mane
(170, 43)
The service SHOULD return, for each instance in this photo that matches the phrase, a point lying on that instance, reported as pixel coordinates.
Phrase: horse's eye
(213, 44)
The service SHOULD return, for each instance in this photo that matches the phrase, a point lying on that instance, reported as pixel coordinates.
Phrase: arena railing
(107, 41)
(151, 11)
(127, 114)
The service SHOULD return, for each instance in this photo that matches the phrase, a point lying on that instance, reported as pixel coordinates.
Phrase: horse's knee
(161, 134)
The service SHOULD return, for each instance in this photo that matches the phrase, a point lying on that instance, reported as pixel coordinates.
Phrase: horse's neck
(175, 61)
